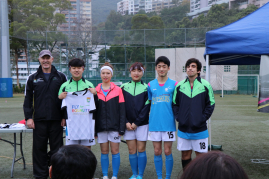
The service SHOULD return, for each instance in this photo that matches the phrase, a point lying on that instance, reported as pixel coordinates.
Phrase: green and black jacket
(137, 105)
(73, 86)
(193, 108)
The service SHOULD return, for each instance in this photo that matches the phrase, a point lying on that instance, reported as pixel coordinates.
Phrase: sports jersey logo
(88, 99)
(167, 89)
(161, 98)
(77, 109)
(38, 80)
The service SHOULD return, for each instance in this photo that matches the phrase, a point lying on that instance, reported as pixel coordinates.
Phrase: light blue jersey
(161, 114)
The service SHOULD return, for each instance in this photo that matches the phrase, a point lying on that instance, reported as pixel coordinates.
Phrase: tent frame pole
(207, 76)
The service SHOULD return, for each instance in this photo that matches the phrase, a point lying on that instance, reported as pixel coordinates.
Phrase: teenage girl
(137, 113)
(110, 120)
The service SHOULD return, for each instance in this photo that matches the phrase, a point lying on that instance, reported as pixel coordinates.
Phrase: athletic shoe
(105, 177)
(138, 177)
(133, 177)
(114, 178)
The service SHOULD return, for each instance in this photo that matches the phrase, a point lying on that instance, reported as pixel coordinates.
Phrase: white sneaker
(105, 177)
(114, 178)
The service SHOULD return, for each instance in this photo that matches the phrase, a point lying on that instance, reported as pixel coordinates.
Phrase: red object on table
(22, 122)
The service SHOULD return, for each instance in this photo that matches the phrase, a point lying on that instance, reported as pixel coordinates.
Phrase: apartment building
(78, 18)
(198, 7)
(244, 3)
(132, 7)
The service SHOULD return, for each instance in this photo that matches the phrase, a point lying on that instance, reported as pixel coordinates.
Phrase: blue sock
(142, 162)
(115, 164)
(133, 163)
(104, 164)
(169, 165)
(158, 161)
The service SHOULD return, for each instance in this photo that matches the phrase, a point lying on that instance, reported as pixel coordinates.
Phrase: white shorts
(162, 136)
(81, 142)
(140, 134)
(200, 145)
(112, 136)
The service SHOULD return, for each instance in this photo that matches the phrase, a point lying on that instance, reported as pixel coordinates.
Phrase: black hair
(76, 62)
(194, 60)
(163, 59)
(73, 161)
(214, 165)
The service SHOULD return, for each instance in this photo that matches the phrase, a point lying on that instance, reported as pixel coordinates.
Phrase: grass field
(242, 132)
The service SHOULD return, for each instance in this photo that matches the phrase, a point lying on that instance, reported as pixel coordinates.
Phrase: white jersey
(79, 122)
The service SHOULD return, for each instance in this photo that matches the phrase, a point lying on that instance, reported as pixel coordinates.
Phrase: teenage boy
(77, 83)
(193, 104)
(161, 121)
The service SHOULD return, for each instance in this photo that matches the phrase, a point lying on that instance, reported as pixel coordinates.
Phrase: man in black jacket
(42, 110)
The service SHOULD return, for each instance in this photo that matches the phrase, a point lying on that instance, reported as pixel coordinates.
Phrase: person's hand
(134, 126)
(30, 124)
(63, 123)
(92, 90)
(62, 95)
(129, 126)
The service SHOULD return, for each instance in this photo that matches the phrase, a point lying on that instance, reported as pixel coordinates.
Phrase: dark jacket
(41, 96)
(192, 108)
(110, 114)
(137, 105)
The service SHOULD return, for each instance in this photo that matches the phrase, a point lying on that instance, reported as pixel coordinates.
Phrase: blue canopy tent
(239, 43)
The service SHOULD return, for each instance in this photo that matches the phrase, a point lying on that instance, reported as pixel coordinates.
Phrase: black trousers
(45, 131)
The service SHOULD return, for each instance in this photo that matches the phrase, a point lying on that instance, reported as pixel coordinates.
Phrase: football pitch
(236, 125)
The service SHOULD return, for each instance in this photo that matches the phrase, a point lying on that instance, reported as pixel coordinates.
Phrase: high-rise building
(123, 7)
(244, 3)
(134, 6)
(198, 7)
(79, 18)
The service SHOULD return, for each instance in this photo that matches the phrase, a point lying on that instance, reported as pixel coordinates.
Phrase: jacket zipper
(134, 88)
(105, 105)
(77, 85)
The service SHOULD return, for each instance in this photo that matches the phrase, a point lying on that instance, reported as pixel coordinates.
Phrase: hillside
(101, 9)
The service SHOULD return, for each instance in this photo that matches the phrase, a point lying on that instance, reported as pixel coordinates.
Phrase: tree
(171, 15)
(35, 16)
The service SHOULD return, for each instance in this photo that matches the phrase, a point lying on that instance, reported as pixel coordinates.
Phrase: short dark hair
(163, 59)
(73, 161)
(194, 60)
(76, 62)
(214, 165)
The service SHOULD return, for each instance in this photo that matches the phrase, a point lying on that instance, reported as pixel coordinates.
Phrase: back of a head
(214, 165)
(73, 162)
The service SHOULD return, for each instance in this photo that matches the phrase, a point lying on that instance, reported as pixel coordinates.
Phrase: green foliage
(171, 15)
(142, 21)
(17, 89)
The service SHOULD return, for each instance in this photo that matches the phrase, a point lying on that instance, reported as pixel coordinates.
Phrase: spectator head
(214, 165)
(73, 161)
